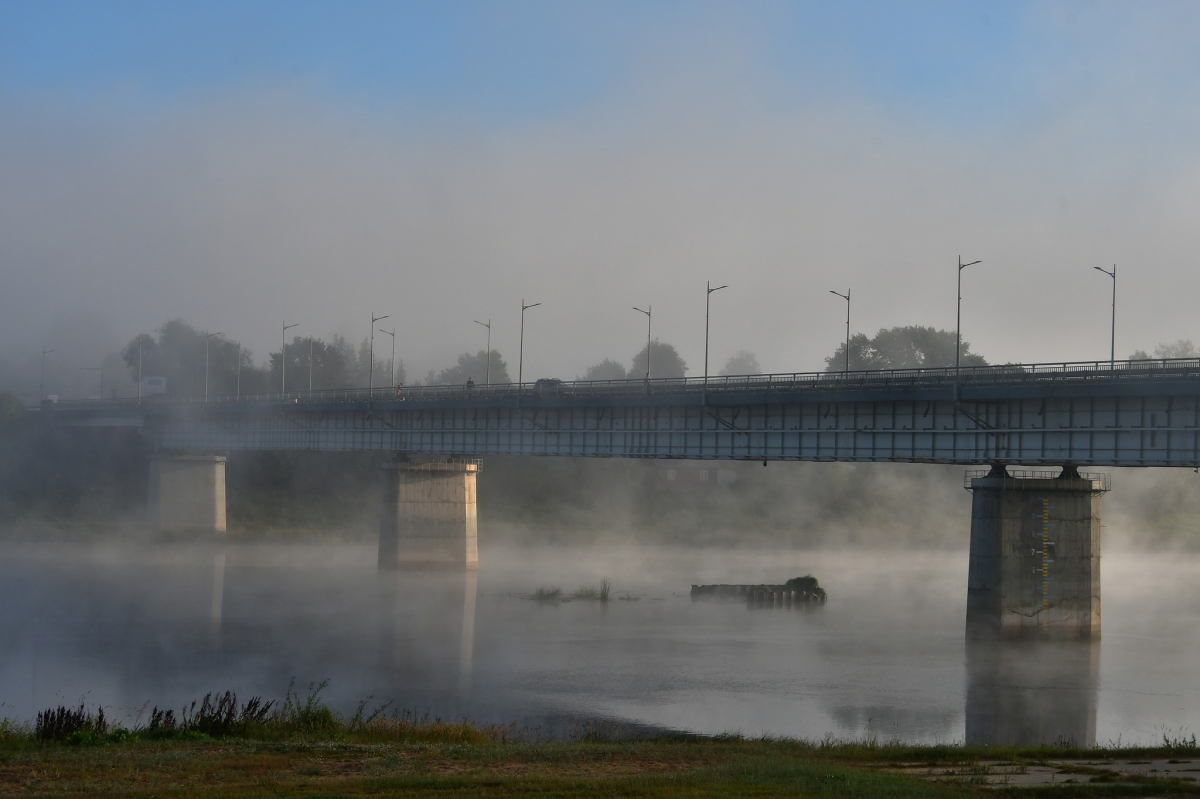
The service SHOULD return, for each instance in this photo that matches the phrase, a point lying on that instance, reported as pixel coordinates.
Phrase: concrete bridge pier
(1035, 554)
(428, 516)
(187, 493)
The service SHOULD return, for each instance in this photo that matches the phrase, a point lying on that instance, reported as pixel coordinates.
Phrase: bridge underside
(1109, 430)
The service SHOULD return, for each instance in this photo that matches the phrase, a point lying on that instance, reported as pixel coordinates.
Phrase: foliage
(911, 347)
(608, 369)
(220, 715)
(12, 411)
(547, 594)
(743, 363)
(69, 723)
(474, 367)
(1183, 348)
(665, 361)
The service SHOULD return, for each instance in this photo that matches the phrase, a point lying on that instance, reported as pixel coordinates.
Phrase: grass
(300, 747)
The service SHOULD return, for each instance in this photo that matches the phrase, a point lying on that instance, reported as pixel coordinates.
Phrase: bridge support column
(1035, 556)
(428, 516)
(187, 493)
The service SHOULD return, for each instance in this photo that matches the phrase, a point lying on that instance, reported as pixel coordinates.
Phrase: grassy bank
(222, 747)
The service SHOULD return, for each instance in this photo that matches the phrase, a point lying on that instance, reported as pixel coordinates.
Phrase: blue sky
(500, 62)
(233, 163)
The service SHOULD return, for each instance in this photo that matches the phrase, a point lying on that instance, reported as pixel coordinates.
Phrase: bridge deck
(1136, 413)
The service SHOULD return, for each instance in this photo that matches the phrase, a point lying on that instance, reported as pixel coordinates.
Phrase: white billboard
(154, 385)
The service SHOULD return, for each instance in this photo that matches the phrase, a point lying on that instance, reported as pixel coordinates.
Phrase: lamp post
(649, 308)
(371, 367)
(1112, 342)
(488, 377)
(238, 389)
(96, 369)
(846, 297)
(958, 325)
(42, 381)
(283, 356)
(521, 355)
(207, 338)
(310, 363)
(139, 340)
(710, 290)
(392, 363)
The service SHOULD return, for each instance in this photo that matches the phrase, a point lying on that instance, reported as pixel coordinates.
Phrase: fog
(885, 658)
(709, 149)
(275, 199)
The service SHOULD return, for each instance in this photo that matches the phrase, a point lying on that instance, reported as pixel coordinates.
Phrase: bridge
(1035, 536)
(1131, 413)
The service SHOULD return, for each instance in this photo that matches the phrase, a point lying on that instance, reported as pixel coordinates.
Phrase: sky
(239, 164)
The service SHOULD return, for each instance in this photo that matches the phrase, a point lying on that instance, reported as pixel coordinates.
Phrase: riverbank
(303, 749)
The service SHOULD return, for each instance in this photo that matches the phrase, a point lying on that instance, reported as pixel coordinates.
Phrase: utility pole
(521, 356)
(283, 357)
(488, 377)
(710, 289)
(958, 325)
(139, 369)
(207, 338)
(392, 366)
(846, 297)
(1112, 342)
(310, 363)
(649, 308)
(239, 370)
(371, 367)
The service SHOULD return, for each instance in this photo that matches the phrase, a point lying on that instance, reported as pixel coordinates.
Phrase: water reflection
(1028, 692)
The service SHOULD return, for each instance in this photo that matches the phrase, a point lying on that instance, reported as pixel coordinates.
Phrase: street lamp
(371, 368)
(95, 369)
(283, 357)
(207, 338)
(42, 382)
(1112, 345)
(488, 377)
(392, 363)
(649, 308)
(958, 325)
(238, 389)
(708, 286)
(521, 355)
(846, 297)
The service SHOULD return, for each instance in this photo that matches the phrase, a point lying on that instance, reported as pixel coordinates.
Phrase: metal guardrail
(941, 377)
(1101, 481)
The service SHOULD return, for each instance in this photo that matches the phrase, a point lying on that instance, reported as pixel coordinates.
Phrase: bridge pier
(187, 493)
(1035, 555)
(428, 516)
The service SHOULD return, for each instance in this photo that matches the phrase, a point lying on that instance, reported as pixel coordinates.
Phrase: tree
(911, 347)
(608, 369)
(664, 362)
(744, 363)
(178, 354)
(473, 367)
(1183, 348)
(328, 369)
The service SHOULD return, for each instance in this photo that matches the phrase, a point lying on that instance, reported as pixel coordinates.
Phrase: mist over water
(122, 625)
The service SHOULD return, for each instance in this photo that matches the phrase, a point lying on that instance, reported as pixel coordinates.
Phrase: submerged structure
(796, 591)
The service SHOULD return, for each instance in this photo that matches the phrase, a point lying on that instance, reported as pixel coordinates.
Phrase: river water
(164, 624)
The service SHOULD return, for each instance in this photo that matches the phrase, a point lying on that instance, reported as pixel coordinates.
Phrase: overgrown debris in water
(796, 591)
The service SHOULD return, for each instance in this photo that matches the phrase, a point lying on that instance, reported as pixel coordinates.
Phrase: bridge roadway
(1134, 413)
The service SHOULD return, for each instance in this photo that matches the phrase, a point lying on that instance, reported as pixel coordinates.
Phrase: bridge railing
(1004, 374)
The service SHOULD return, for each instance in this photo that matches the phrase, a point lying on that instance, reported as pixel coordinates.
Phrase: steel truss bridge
(1127, 413)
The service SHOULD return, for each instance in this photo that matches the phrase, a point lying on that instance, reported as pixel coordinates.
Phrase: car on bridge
(549, 387)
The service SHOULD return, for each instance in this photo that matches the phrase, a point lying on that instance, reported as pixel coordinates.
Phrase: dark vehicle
(548, 387)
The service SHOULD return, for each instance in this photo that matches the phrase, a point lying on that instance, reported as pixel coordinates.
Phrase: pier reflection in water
(1029, 692)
